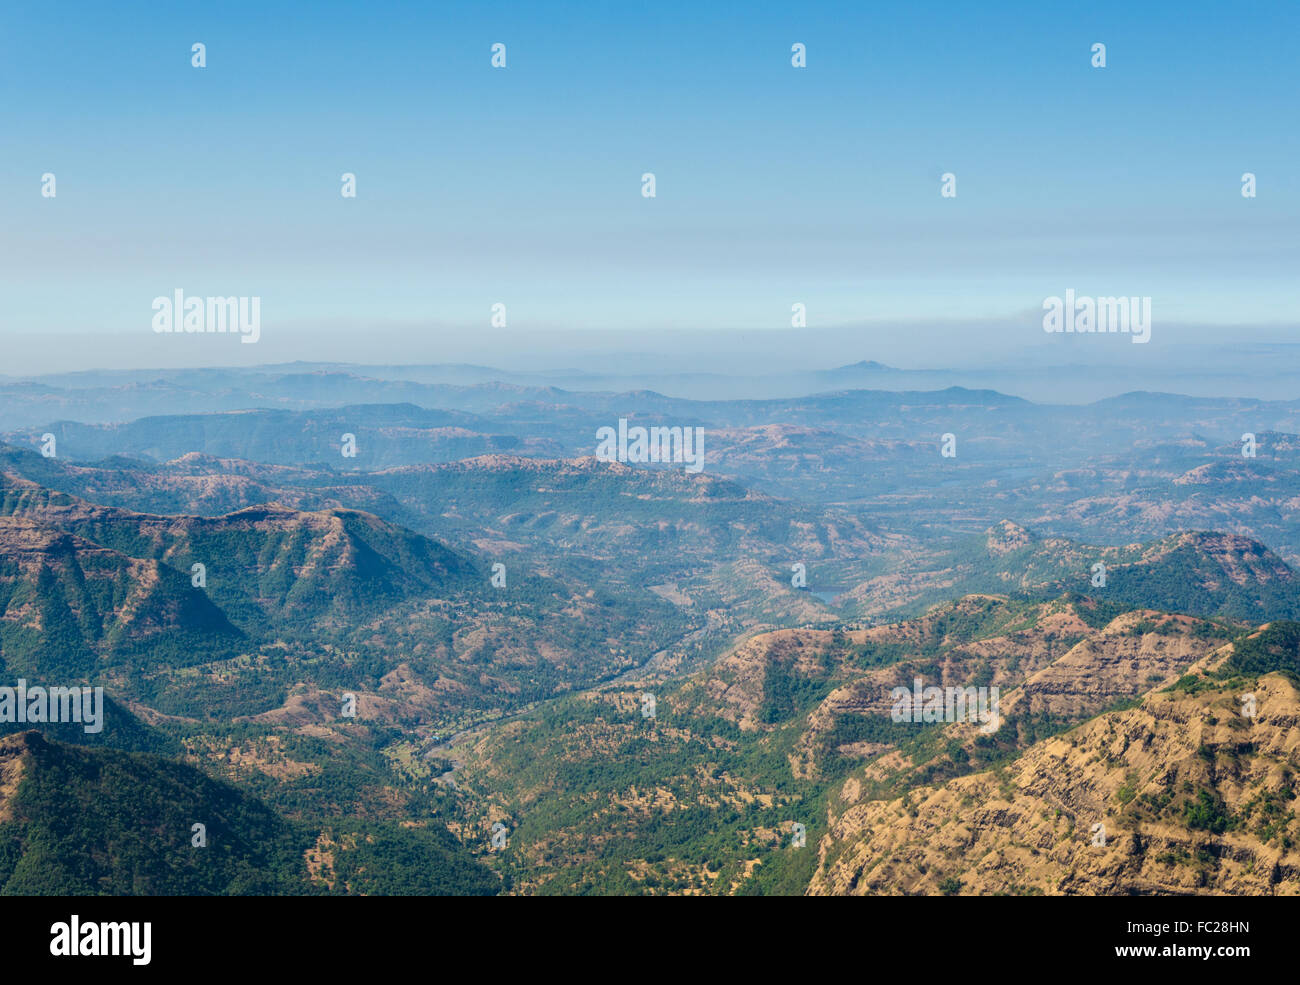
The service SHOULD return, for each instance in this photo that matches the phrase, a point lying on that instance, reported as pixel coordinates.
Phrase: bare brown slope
(1193, 797)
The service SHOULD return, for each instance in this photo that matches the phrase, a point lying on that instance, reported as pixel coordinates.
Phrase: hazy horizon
(1067, 369)
(522, 186)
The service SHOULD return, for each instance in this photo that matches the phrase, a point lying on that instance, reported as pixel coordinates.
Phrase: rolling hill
(78, 821)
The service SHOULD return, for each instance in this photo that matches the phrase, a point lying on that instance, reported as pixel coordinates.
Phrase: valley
(384, 659)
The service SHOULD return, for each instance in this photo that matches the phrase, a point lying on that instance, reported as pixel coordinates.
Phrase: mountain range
(365, 667)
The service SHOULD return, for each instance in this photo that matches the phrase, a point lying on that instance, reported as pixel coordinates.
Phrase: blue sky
(522, 185)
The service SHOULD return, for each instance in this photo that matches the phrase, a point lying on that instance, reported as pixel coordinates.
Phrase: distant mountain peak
(865, 366)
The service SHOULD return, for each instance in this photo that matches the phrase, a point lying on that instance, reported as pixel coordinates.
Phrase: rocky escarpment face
(1183, 794)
